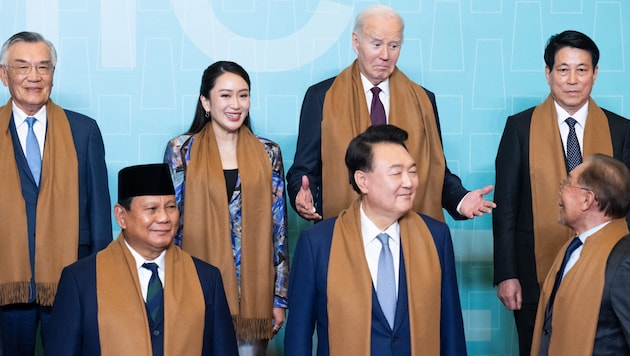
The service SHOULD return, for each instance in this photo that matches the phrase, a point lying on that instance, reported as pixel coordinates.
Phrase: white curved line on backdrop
(328, 23)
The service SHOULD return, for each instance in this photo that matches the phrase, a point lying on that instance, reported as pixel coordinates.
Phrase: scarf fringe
(46, 293)
(252, 328)
(14, 292)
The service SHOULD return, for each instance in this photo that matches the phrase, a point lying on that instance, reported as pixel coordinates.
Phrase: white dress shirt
(576, 254)
(372, 246)
(383, 95)
(580, 117)
(144, 274)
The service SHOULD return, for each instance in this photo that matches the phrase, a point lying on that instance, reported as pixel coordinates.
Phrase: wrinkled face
(389, 188)
(571, 79)
(572, 198)
(229, 103)
(30, 90)
(378, 47)
(150, 224)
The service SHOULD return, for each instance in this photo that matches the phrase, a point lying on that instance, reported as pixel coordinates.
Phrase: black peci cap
(146, 179)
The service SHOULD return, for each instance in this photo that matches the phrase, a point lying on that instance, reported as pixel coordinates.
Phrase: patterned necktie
(574, 155)
(155, 293)
(33, 154)
(386, 287)
(575, 243)
(377, 111)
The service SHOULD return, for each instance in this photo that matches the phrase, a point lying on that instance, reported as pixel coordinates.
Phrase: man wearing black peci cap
(142, 295)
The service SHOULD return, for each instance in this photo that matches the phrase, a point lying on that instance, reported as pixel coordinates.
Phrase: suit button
(545, 332)
(156, 332)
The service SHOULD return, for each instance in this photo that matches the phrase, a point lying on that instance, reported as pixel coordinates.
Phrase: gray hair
(382, 10)
(30, 37)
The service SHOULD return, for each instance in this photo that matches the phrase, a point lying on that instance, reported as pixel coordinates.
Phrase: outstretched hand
(474, 204)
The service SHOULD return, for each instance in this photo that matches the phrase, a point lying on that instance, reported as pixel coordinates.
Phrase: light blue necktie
(33, 155)
(574, 154)
(386, 284)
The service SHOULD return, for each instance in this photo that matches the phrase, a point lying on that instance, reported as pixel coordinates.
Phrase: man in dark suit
(55, 205)
(584, 303)
(408, 283)
(531, 160)
(339, 108)
(108, 304)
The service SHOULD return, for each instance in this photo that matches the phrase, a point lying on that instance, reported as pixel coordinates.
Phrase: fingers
(277, 327)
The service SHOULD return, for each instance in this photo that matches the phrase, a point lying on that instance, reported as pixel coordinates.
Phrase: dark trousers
(525, 320)
(18, 327)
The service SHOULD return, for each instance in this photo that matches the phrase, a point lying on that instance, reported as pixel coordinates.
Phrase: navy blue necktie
(33, 154)
(155, 293)
(386, 284)
(575, 243)
(574, 154)
(377, 110)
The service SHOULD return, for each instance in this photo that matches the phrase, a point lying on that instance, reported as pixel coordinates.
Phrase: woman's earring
(207, 114)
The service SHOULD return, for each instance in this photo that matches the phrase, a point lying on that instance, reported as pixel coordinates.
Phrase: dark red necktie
(377, 111)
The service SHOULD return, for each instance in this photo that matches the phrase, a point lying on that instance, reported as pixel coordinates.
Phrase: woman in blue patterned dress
(229, 186)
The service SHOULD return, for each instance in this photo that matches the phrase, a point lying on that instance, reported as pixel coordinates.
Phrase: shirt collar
(20, 116)
(367, 85)
(160, 260)
(369, 231)
(579, 116)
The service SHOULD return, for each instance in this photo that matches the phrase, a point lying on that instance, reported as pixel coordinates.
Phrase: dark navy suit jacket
(308, 299)
(308, 155)
(75, 323)
(95, 224)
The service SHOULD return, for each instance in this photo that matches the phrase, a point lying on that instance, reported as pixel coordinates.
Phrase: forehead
(29, 51)
(385, 155)
(151, 199)
(383, 27)
(573, 56)
(230, 80)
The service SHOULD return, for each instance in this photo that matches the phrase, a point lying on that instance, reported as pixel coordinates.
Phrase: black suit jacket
(308, 154)
(512, 219)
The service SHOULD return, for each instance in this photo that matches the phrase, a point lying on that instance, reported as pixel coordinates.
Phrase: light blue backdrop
(135, 66)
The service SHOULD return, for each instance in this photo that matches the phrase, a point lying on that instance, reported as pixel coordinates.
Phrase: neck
(589, 223)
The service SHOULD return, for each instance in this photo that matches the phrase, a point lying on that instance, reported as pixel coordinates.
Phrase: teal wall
(135, 66)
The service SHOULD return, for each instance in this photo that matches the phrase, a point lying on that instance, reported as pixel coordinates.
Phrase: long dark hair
(208, 81)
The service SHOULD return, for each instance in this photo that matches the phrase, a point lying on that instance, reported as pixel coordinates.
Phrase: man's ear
(120, 214)
(361, 179)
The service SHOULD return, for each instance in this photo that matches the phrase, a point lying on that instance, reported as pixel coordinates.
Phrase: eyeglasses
(24, 68)
(565, 184)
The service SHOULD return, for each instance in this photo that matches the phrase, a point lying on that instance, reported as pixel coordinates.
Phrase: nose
(407, 181)
(572, 76)
(161, 215)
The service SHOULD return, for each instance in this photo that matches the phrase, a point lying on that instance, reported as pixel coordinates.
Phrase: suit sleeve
(65, 336)
(453, 342)
(504, 218)
(452, 190)
(223, 338)
(98, 189)
(307, 159)
(298, 336)
(620, 290)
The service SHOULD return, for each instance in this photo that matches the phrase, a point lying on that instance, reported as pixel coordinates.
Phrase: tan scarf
(577, 303)
(57, 221)
(123, 325)
(547, 169)
(345, 115)
(350, 286)
(207, 227)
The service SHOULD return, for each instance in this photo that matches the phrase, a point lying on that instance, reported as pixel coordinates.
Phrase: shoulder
(82, 269)
(204, 268)
(320, 233)
(79, 120)
(616, 119)
(269, 144)
(322, 86)
(178, 141)
(435, 226)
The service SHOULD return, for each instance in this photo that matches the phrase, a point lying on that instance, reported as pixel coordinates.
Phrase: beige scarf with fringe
(207, 227)
(345, 115)
(350, 286)
(57, 219)
(123, 325)
(548, 168)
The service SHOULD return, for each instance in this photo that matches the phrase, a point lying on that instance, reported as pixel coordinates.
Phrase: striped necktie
(155, 293)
